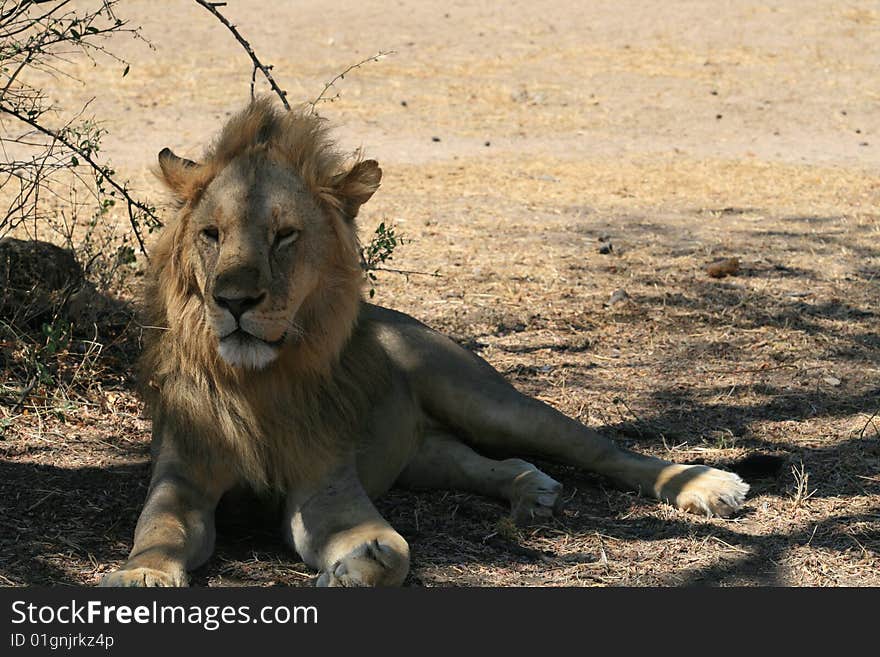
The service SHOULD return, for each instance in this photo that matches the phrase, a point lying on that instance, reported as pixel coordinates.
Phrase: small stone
(435, 138)
(606, 248)
(403, 103)
(832, 381)
(723, 267)
(523, 96)
(618, 296)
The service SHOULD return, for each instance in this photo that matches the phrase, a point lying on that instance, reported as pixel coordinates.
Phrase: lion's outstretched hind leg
(459, 390)
(446, 463)
(497, 419)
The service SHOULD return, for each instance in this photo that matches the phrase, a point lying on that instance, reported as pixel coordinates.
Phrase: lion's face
(259, 240)
(264, 253)
(260, 245)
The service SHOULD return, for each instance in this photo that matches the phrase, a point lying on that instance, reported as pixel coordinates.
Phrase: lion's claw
(369, 564)
(143, 577)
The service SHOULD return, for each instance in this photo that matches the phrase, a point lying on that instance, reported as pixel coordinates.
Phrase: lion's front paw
(144, 577)
(369, 564)
(710, 492)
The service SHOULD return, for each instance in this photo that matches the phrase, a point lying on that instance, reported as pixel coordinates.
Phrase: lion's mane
(286, 423)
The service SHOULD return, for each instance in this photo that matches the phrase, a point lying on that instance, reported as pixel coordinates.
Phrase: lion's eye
(286, 236)
(211, 233)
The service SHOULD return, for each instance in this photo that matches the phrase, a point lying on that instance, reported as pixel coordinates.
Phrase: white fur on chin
(249, 353)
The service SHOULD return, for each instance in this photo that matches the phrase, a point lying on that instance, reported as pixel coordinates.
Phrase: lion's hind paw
(711, 492)
(536, 497)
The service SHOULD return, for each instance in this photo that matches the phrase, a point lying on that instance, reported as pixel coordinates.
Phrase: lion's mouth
(242, 349)
(241, 336)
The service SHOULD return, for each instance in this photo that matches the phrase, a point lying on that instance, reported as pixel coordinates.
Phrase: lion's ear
(176, 172)
(357, 186)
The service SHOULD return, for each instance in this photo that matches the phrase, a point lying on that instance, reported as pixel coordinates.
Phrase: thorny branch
(258, 65)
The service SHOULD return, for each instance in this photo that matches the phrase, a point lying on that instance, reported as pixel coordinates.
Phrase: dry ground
(681, 132)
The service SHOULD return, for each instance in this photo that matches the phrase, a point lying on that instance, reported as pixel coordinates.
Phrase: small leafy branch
(378, 251)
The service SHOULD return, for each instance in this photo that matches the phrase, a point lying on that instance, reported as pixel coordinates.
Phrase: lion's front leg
(336, 529)
(175, 531)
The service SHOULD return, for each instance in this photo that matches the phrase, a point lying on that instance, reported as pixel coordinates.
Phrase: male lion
(271, 372)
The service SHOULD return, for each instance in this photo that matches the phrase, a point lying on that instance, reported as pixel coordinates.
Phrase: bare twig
(758, 370)
(22, 396)
(341, 76)
(407, 272)
(868, 423)
(264, 68)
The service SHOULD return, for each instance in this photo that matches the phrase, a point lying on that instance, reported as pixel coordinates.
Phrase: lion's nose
(238, 306)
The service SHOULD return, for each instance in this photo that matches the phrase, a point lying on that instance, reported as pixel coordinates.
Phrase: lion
(271, 372)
